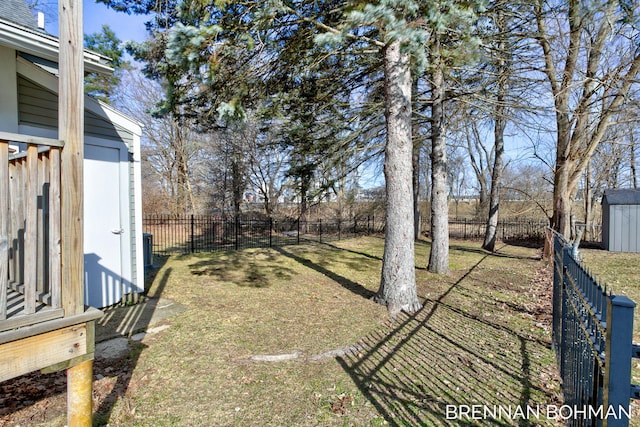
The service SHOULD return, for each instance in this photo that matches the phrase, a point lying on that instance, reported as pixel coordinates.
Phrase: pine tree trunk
(500, 124)
(416, 188)
(439, 256)
(491, 233)
(398, 283)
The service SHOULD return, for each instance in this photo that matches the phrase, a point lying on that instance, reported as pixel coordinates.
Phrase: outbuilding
(621, 220)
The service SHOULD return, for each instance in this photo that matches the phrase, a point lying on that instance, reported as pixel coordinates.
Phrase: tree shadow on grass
(497, 252)
(426, 367)
(346, 283)
(238, 268)
(364, 254)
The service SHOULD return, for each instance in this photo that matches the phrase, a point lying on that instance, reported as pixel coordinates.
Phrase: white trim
(115, 116)
(45, 46)
(137, 189)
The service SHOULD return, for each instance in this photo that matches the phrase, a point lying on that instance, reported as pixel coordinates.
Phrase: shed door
(102, 226)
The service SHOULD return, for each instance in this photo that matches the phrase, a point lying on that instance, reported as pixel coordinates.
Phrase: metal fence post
(565, 325)
(193, 234)
(237, 232)
(617, 376)
(270, 231)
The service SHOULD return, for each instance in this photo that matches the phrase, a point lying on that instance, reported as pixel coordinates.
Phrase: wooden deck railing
(30, 267)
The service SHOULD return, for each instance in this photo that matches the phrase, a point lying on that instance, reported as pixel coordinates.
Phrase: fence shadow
(412, 369)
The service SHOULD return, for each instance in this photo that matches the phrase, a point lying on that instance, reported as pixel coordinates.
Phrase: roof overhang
(46, 46)
(49, 81)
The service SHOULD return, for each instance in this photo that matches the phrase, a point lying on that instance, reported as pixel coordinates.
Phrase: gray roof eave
(46, 46)
(627, 196)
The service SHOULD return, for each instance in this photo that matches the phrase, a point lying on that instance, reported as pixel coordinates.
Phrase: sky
(127, 27)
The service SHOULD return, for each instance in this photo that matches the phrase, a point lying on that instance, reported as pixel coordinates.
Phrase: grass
(482, 338)
(620, 272)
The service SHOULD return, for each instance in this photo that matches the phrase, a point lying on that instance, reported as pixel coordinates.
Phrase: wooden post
(4, 226)
(71, 131)
(79, 394)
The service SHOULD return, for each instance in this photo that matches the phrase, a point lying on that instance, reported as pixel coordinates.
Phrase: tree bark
(439, 256)
(491, 233)
(398, 283)
(500, 124)
(416, 184)
(634, 174)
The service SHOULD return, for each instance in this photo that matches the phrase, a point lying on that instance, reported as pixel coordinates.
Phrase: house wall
(606, 224)
(38, 107)
(35, 111)
(8, 91)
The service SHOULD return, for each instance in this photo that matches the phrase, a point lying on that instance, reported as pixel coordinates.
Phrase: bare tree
(591, 59)
(169, 147)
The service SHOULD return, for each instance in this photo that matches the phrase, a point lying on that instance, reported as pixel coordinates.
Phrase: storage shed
(621, 220)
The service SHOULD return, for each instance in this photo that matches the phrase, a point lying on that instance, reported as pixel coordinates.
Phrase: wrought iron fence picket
(592, 336)
(197, 233)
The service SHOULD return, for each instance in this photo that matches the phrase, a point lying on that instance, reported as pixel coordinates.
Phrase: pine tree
(220, 58)
(99, 85)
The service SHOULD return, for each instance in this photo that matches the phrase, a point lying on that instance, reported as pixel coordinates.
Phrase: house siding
(624, 228)
(605, 224)
(38, 106)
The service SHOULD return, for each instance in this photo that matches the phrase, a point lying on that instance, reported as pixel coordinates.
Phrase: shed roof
(17, 12)
(627, 196)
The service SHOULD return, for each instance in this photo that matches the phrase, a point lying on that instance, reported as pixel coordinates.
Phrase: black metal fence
(169, 234)
(592, 337)
(524, 229)
(194, 233)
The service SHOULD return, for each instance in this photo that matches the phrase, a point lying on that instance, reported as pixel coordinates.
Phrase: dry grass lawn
(483, 338)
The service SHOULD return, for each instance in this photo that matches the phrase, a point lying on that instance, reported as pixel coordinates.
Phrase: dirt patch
(40, 399)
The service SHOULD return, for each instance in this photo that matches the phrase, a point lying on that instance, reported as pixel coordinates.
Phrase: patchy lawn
(289, 336)
(620, 272)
